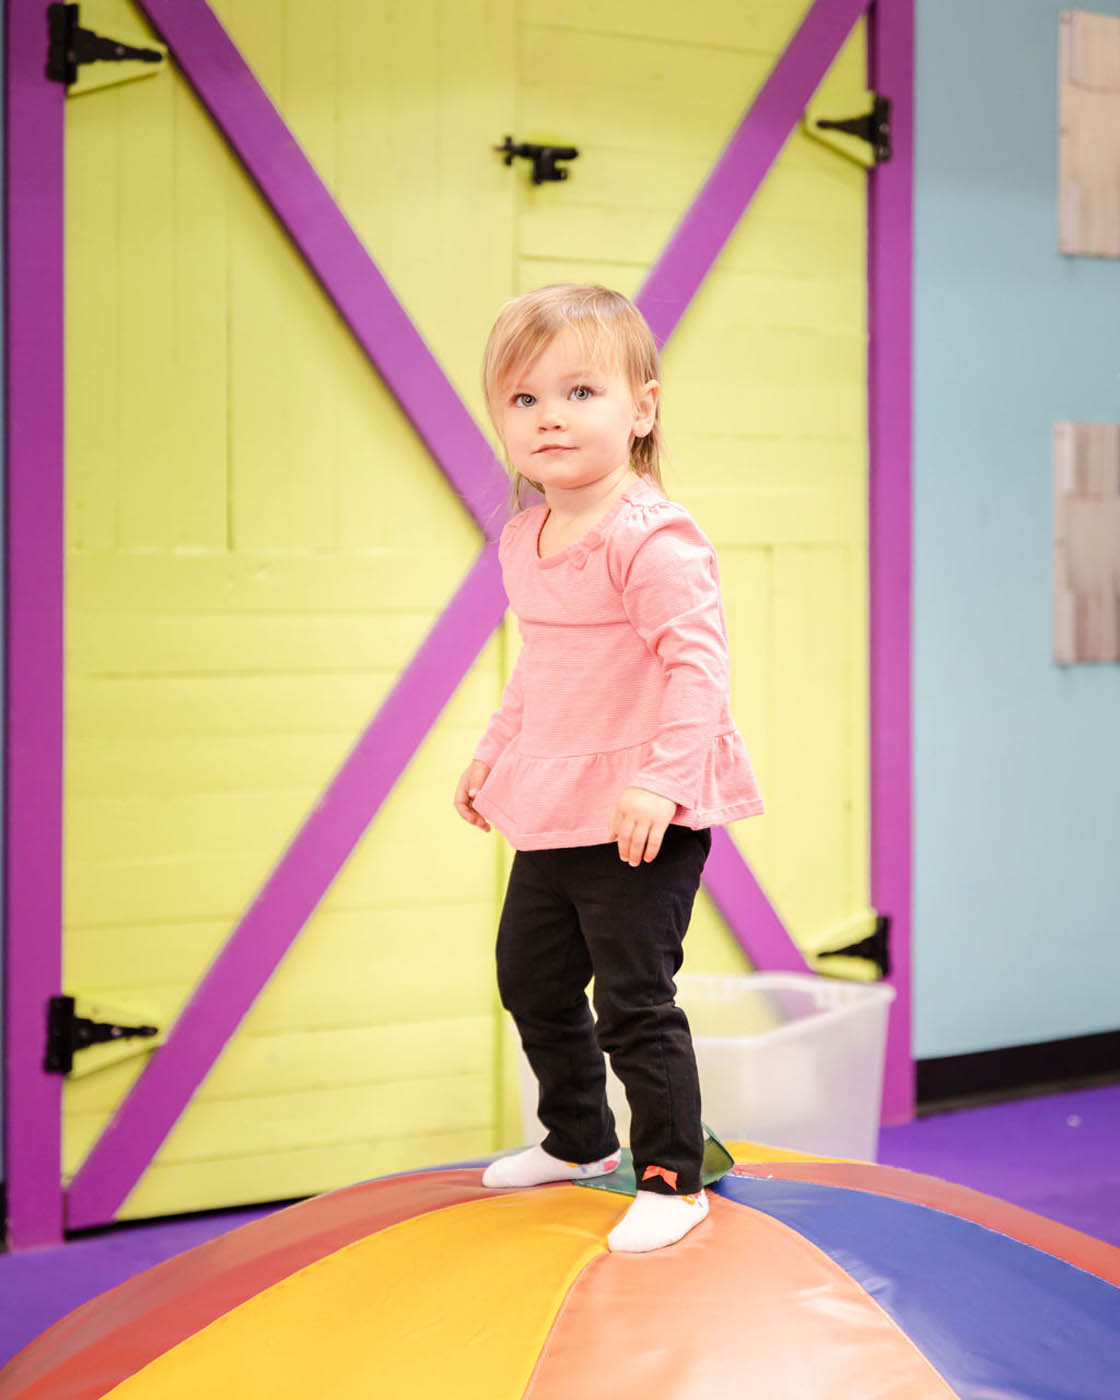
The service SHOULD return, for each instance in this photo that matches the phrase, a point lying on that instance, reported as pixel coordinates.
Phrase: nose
(550, 416)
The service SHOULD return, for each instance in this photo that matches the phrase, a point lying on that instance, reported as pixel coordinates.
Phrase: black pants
(579, 911)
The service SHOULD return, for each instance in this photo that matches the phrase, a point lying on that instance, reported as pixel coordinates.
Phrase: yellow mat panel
(361, 1322)
(748, 1152)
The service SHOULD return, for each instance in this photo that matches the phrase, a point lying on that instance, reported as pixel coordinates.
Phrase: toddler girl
(612, 754)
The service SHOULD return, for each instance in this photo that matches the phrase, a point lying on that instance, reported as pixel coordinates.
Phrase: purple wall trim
(329, 833)
(890, 264)
(742, 167)
(33, 151)
(306, 208)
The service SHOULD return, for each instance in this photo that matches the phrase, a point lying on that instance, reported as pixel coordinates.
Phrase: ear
(645, 407)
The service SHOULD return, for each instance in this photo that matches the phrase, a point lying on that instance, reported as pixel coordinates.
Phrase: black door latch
(68, 45)
(67, 1034)
(873, 127)
(875, 947)
(544, 158)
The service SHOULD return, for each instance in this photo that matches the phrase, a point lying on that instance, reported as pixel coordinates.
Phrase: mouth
(552, 447)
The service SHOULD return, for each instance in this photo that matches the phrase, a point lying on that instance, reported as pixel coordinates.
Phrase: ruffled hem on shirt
(556, 798)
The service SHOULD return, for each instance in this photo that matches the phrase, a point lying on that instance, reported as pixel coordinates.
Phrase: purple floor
(38, 1286)
(1058, 1155)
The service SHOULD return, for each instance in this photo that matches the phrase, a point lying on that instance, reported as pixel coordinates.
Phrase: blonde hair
(610, 329)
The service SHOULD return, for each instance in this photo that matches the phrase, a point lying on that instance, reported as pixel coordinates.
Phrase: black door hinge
(544, 158)
(873, 127)
(68, 1033)
(68, 45)
(875, 947)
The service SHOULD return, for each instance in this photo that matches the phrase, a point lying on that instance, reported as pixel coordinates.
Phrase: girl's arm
(505, 722)
(505, 725)
(671, 596)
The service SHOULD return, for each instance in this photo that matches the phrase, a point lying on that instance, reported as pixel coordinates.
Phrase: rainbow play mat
(812, 1279)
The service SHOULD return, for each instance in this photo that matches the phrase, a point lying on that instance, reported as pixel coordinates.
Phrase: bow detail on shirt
(579, 553)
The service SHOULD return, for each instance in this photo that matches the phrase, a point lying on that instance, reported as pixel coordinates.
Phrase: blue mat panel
(999, 1320)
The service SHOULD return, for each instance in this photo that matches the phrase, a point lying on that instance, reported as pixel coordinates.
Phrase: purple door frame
(890, 264)
(35, 476)
(33, 457)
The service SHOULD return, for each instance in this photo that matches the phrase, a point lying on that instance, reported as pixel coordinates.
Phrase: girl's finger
(638, 843)
(465, 807)
(653, 843)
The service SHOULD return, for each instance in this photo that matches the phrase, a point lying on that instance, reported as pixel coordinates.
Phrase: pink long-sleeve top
(622, 681)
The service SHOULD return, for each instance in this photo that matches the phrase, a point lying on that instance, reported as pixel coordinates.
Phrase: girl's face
(567, 422)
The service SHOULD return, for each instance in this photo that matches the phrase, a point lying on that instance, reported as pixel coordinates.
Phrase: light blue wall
(1017, 761)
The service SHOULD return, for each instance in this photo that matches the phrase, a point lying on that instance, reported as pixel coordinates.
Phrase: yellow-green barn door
(257, 540)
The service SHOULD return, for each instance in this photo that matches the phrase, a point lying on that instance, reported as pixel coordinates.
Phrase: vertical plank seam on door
(890, 276)
(33, 150)
(149, 1111)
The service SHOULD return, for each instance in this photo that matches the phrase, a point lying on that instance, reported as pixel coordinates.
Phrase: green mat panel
(717, 1162)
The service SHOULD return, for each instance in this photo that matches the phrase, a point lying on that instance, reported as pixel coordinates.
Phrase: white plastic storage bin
(785, 1058)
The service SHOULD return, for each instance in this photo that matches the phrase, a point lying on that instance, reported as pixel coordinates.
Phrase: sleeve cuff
(488, 752)
(663, 787)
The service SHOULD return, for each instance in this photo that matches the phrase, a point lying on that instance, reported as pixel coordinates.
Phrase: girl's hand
(469, 784)
(638, 823)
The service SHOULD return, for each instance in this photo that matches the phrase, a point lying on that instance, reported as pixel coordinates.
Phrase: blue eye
(581, 392)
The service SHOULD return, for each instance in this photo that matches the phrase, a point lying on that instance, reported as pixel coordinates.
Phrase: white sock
(534, 1166)
(654, 1221)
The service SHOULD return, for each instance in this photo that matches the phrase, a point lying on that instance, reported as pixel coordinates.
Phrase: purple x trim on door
(254, 129)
